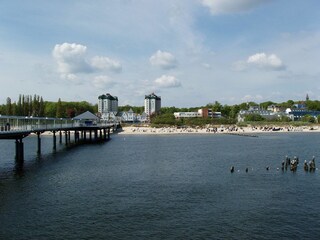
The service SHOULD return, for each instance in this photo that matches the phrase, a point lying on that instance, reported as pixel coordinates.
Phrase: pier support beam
(108, 133)
(66, 137)
(84, 136)
(69, 136)
(60, 137)
(54, 141)
(75, 136)
(104, 134)
(39, 143)
(19, 151)
(96, 135)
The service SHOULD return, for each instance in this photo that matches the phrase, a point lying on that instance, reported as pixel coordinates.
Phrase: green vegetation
(28, 105)
(126, 108)
(37, 107)
(254, 118)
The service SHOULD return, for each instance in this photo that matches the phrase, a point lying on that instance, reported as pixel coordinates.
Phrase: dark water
(162, 187)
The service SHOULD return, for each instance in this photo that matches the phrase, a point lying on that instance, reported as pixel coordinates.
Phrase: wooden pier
(18, 128)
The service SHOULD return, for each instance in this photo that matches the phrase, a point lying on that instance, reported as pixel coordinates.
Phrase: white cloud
(105, 63)
(264, 61)
(166, 81)
(231, 6)
(71, 60)
(164, 60)
(103, 82)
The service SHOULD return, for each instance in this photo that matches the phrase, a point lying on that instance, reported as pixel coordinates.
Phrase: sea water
(162, 187)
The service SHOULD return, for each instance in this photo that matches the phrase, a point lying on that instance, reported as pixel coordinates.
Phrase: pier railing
(18, 123)
(16, 128)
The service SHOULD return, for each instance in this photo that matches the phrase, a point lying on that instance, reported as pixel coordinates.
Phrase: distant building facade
(152, 104)
(132, 117)
(203, 113)
(267, 114)
(107, 105)
(298, 114)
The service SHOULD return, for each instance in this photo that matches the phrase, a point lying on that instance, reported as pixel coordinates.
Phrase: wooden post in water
(90, 136)
(108, 133)
(69, 136)
(96, 135)
(104, 134)
(66, 137)
(19, 151)
(60, 136)
(54, 140)
(75, 136)
(39, 143)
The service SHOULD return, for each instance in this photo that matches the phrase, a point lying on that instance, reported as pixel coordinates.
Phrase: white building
(203, 113)
(107, 105)
(152, 104)
(187, 114)
(129, 116)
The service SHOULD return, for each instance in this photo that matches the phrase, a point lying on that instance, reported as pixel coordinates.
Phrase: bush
(254, 118)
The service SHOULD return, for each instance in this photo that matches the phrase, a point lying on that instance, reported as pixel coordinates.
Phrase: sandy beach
(216, 130)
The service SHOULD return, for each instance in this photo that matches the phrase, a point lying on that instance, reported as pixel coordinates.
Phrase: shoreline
(220, 130)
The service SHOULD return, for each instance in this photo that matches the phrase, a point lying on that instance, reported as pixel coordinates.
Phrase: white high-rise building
(107, 104)
(152, 104)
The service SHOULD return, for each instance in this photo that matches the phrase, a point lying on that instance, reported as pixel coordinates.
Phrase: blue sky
(190, 52)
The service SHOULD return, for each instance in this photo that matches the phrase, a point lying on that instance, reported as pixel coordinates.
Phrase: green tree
(9, 107)
(41, 108)
(308, 118)
(19, 106)
(235, 109)
(59, 109)
(265, 105)
(225, 111)
(244, 106)
(253, 118)
(216, 107)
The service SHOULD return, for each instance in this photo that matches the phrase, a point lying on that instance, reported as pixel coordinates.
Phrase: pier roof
(86, 116)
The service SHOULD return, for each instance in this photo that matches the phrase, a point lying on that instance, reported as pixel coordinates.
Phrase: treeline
(126, 108)
(28, 105)
(229, 113)
(35, 106)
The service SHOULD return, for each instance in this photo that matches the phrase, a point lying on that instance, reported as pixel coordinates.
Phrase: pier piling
(19, 151)
(39, 143)
(54, 140)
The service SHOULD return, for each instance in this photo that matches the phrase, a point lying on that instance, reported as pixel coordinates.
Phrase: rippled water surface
(162, 187)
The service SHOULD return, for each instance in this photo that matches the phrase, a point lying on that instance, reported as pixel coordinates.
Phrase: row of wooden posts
(81, 136)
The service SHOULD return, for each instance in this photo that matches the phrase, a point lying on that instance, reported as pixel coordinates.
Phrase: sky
(190, 52)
